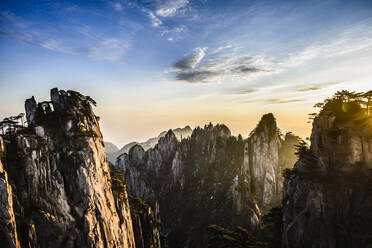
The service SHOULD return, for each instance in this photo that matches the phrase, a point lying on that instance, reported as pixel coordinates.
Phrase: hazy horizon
(154, 65)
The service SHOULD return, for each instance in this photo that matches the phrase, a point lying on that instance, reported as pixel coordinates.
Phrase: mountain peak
(169, 137)
(266, 124)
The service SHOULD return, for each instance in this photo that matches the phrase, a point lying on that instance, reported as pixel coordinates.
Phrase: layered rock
(58, 171)
(327, 197)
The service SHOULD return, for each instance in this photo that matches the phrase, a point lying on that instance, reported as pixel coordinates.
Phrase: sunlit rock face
(266, 154)
(8, 229)
(262, 161)
(208, 178)
(327, 198)
(341, 146)
(58, 171)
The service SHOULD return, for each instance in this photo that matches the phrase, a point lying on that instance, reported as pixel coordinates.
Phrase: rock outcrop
(327, 199)
(59, 177)
(261, 168)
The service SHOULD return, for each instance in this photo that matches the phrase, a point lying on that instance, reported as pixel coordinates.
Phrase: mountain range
(206, 189)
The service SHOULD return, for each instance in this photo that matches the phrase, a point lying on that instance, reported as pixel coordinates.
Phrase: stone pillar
(54, 95)
(30, 107)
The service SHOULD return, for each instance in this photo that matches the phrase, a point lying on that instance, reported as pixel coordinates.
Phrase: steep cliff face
(145, 224)
(8, 229)
(62, 190)
(327, 197)
(266, 154)
(261, 162)
(209, 178)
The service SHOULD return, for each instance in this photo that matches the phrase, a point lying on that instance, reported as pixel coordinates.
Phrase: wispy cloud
(192, 60)
(108, 49)
(217, 66)
(313, 87)
(169, 8)
(282, 101)
(245, 91)
(354, 39)
(155, 21)
(91, 44)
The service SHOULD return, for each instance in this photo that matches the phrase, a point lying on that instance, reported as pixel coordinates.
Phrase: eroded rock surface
(327, 199)
(59, 175)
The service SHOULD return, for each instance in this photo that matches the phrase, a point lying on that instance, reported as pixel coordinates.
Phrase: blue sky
(158, 64)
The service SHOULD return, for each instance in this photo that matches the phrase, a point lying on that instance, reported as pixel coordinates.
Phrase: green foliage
(303, 151)
(220, 237)
(346, 105)
(267, 121)
(9, 126)
(77, 96)
(138, 206)
(118, 183)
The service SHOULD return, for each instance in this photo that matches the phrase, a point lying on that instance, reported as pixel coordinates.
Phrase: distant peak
(210, 129)
(170, 134)
(266, 124)
(169, 137)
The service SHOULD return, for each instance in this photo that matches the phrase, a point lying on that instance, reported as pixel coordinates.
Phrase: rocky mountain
(57, 189)
(110, 148)
(327, 199)
(180, 133)
(211, 177)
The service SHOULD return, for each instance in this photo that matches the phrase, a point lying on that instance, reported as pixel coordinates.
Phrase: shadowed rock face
(327, 198)
(60, 181)
(209, 178)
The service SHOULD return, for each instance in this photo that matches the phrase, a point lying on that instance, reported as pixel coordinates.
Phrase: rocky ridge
(209, 178)
(113, 154)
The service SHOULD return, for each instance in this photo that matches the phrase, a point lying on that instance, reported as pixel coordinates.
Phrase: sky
(153, 65)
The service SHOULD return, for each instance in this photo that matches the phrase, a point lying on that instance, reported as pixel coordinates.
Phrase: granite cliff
(327, 196)
(57, 189)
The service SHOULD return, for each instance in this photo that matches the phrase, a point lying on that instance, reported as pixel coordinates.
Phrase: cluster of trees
(118, 183)
(220, 237)
(346, 103)
(10, 125)
(81, 97)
